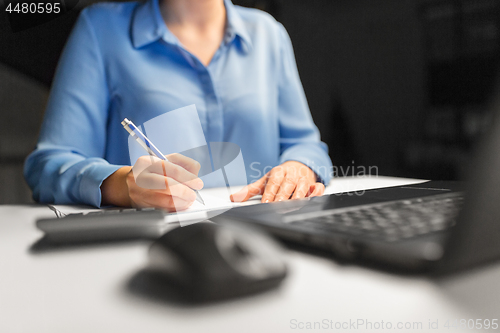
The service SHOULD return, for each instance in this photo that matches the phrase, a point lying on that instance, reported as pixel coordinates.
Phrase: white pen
(148, 146)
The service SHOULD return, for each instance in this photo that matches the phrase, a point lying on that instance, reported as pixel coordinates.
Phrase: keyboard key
(393, 220)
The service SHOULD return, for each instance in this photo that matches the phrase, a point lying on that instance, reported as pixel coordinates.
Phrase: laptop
(426, 227)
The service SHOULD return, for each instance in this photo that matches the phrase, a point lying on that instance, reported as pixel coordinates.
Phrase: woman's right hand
(152, 182)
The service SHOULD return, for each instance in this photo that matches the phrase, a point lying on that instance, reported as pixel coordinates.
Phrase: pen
(148, 146)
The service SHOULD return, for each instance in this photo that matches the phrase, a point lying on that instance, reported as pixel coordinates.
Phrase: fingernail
(199, 184)
(266, 201)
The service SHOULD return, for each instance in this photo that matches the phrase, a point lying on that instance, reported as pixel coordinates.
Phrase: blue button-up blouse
(121, 61)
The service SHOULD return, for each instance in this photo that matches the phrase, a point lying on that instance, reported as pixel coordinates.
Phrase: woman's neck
(198, 24)
(195, 14)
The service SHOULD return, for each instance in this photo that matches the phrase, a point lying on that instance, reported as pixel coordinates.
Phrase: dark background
(401, 85)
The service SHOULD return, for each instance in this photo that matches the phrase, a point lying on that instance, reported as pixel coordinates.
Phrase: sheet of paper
(361, 183)
(218, 198)
(214, 198)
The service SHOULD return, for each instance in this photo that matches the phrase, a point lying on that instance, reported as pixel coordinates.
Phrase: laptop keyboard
(390, 221)
(105, 212)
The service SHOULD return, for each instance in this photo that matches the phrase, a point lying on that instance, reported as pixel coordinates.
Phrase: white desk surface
(85, 290)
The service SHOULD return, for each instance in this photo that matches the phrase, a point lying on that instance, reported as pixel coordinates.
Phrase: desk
(85, 289)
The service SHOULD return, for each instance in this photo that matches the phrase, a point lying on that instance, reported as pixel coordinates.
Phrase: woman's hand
(290, 180)
(152, 182)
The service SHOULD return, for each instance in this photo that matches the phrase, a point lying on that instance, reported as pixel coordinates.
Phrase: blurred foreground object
(207, 261)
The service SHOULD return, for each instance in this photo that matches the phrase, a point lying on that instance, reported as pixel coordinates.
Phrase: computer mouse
(208, 261)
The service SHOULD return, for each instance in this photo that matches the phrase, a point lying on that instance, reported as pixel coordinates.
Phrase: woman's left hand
(290, 180)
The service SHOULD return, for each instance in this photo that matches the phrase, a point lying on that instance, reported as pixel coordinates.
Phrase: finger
(185, 162)
(316, 190)
(159, 199)
(180, 204)
(181, 175)
(273, 184)
(176, 172)
(156, 198)
(152, 181)
(179, 190)
(169, 186)
(250, 190)
(302, 189)
(142, 164)
(287, 187)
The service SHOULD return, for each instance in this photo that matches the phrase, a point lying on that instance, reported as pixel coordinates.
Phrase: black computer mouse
(208, 261)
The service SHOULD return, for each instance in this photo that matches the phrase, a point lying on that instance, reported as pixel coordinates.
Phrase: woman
(139, 60)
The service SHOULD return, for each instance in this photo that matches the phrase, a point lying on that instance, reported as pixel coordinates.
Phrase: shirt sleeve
(299, 137)
(68, 165)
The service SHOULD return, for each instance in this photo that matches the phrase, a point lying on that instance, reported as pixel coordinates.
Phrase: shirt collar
(236, 26)
(148, 26)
